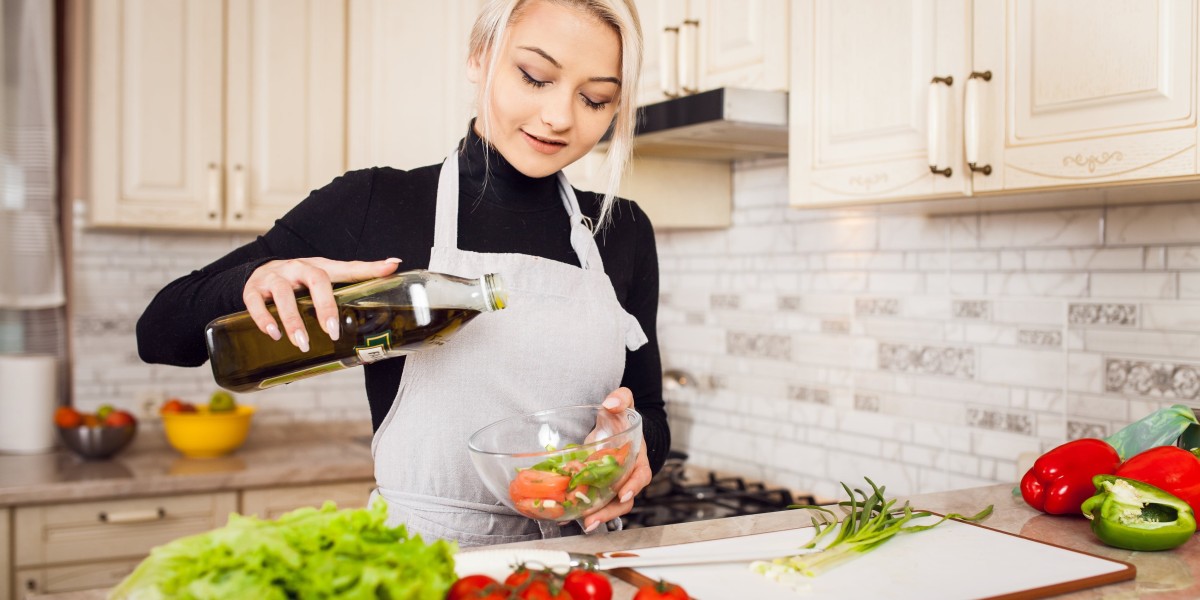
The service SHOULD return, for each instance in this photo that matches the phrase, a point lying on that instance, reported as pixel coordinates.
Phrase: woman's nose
(556, 112)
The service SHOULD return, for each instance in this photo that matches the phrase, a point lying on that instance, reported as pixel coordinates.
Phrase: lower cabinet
(6, 584)
(270, 503)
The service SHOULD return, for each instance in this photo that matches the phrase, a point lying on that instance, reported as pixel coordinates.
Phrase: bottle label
(375, 349)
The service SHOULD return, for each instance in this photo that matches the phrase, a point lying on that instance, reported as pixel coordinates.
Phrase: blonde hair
(486, 41)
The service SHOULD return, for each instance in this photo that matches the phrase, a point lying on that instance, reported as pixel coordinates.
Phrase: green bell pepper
(1137, 516)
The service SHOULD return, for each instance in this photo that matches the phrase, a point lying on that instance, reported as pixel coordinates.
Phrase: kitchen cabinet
(697, 45)
(6, 589)
(409, 100)
(214, 115)
(272, 502)
(928, 99)
(84, 545)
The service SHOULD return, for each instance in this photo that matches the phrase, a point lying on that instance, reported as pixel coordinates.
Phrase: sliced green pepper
(1129, 514)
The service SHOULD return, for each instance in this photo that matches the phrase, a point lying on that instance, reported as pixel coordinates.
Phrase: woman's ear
(474, 69)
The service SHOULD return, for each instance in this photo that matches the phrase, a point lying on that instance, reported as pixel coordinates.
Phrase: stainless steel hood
(720, 124)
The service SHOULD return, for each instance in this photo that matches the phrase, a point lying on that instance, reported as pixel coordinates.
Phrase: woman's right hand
(278, 281)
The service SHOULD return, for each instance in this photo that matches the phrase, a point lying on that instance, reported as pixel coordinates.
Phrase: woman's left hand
(637, 478)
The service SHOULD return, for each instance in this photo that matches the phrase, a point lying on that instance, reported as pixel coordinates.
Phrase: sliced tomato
(618, 453)
(538, 508)
(539, 484)
(573, 467)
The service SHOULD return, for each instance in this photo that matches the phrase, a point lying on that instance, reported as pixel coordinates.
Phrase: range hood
(721, 124)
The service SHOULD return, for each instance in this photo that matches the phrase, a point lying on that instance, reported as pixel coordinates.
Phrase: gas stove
(679, 494)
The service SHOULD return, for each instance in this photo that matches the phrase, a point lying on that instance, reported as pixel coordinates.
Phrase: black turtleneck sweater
(381, 212)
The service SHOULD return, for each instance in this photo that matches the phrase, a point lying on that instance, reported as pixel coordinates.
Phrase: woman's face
(555, 89)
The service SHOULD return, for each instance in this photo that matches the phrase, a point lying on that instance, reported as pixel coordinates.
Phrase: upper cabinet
(409, 98)
(697, 45)
(213, 115)
(926, 99)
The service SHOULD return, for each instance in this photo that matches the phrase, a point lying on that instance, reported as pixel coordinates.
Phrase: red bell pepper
(1168, 468)
(1061, 479)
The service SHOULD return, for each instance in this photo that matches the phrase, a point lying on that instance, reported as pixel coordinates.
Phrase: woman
(552, 76)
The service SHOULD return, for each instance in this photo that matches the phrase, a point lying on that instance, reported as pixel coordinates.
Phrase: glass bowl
(557, 464)
(96, 443)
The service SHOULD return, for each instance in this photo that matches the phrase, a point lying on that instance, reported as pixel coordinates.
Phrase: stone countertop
(302, 453)
(1161, 575)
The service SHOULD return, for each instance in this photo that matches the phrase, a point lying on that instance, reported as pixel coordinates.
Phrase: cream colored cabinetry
(6, 586)
(213, 115)
(1028, 95)
(85, 545)
(409, 100)
(697, 45)
(272, 502)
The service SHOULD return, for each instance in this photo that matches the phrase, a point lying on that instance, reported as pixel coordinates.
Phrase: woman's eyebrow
(547, 56)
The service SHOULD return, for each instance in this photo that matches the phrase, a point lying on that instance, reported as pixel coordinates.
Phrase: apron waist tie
(439, 504)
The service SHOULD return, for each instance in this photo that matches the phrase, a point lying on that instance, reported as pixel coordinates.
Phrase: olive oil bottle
(382, 318)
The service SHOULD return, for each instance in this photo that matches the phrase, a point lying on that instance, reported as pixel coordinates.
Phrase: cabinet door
(6, 585)
(1097, 90)
(861, 77)
(156, 125)
(742, 44)
(272, 503)
(286, 105)
(409, 98)
(656, 17)
(73, 578)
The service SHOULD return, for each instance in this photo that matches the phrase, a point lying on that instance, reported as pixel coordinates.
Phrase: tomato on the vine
(523, 574)
(540, 589)
(584, 584)
(661, 590)
(477, 587)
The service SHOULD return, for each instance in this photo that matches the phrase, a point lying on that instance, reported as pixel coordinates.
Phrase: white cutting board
(955, 560)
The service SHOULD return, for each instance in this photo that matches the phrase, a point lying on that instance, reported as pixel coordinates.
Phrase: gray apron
(560, 342)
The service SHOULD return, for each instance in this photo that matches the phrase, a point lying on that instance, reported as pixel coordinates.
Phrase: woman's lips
(541, 145)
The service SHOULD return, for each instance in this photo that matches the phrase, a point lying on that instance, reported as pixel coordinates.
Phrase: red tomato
(573, 467)
(661, 590)
(523, 574)
(175, 405)
(618, 453)
(542, 590)
(476, 587)
(583, 584)
(119, 418)
(67, 417)
(539, 484)
(537, 508)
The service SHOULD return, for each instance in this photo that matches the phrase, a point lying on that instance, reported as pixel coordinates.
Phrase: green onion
(869, 521)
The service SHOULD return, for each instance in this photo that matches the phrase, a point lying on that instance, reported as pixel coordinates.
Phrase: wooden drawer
(6, 584)
(273, 502)
(72, 578)
(109, 529)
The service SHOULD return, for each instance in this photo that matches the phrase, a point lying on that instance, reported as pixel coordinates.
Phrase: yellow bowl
(205, 434)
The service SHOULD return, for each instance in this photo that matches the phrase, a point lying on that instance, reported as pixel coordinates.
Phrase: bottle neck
(494, 292)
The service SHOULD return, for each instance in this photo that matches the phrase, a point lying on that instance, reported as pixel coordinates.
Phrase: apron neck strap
(445, 225)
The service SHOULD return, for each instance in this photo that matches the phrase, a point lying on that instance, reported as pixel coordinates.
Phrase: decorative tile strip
(877, 306)
(996, 420)
(806, 394)
(794, 303)
(763, 345)
(1079, 430)
(930, 360)
(866, 402)
(979, 310)
(105, 326)
(724, 301)
(1124, 315)
(1038, 337)
(835, 326)
(693, 318)
(717, 382)
(1157, 379)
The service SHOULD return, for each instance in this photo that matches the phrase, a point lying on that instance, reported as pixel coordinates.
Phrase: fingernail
(331, 326)
(592, 527)
(611, 403)
(273, 331)
(626, 496)
(301, 340)
(394, 261)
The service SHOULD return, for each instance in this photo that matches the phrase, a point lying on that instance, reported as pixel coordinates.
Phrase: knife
(503, 560)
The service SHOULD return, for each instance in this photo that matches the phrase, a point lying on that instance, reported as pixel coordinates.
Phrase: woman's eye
(593, 105)
(531, 81)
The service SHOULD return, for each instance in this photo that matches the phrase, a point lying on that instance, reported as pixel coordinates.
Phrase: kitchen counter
(272, 456)
(1161, 575)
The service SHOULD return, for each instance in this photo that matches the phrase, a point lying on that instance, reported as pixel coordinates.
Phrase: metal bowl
(97, 442)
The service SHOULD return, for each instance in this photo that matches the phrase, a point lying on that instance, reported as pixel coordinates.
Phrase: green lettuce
(306, 554)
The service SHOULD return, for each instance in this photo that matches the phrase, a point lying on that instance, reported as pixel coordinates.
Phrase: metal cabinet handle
(133, 516)
(239, 192)
(972, 121)
(938, 126)
(214, 191)
(689, 56)
(669, 67)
